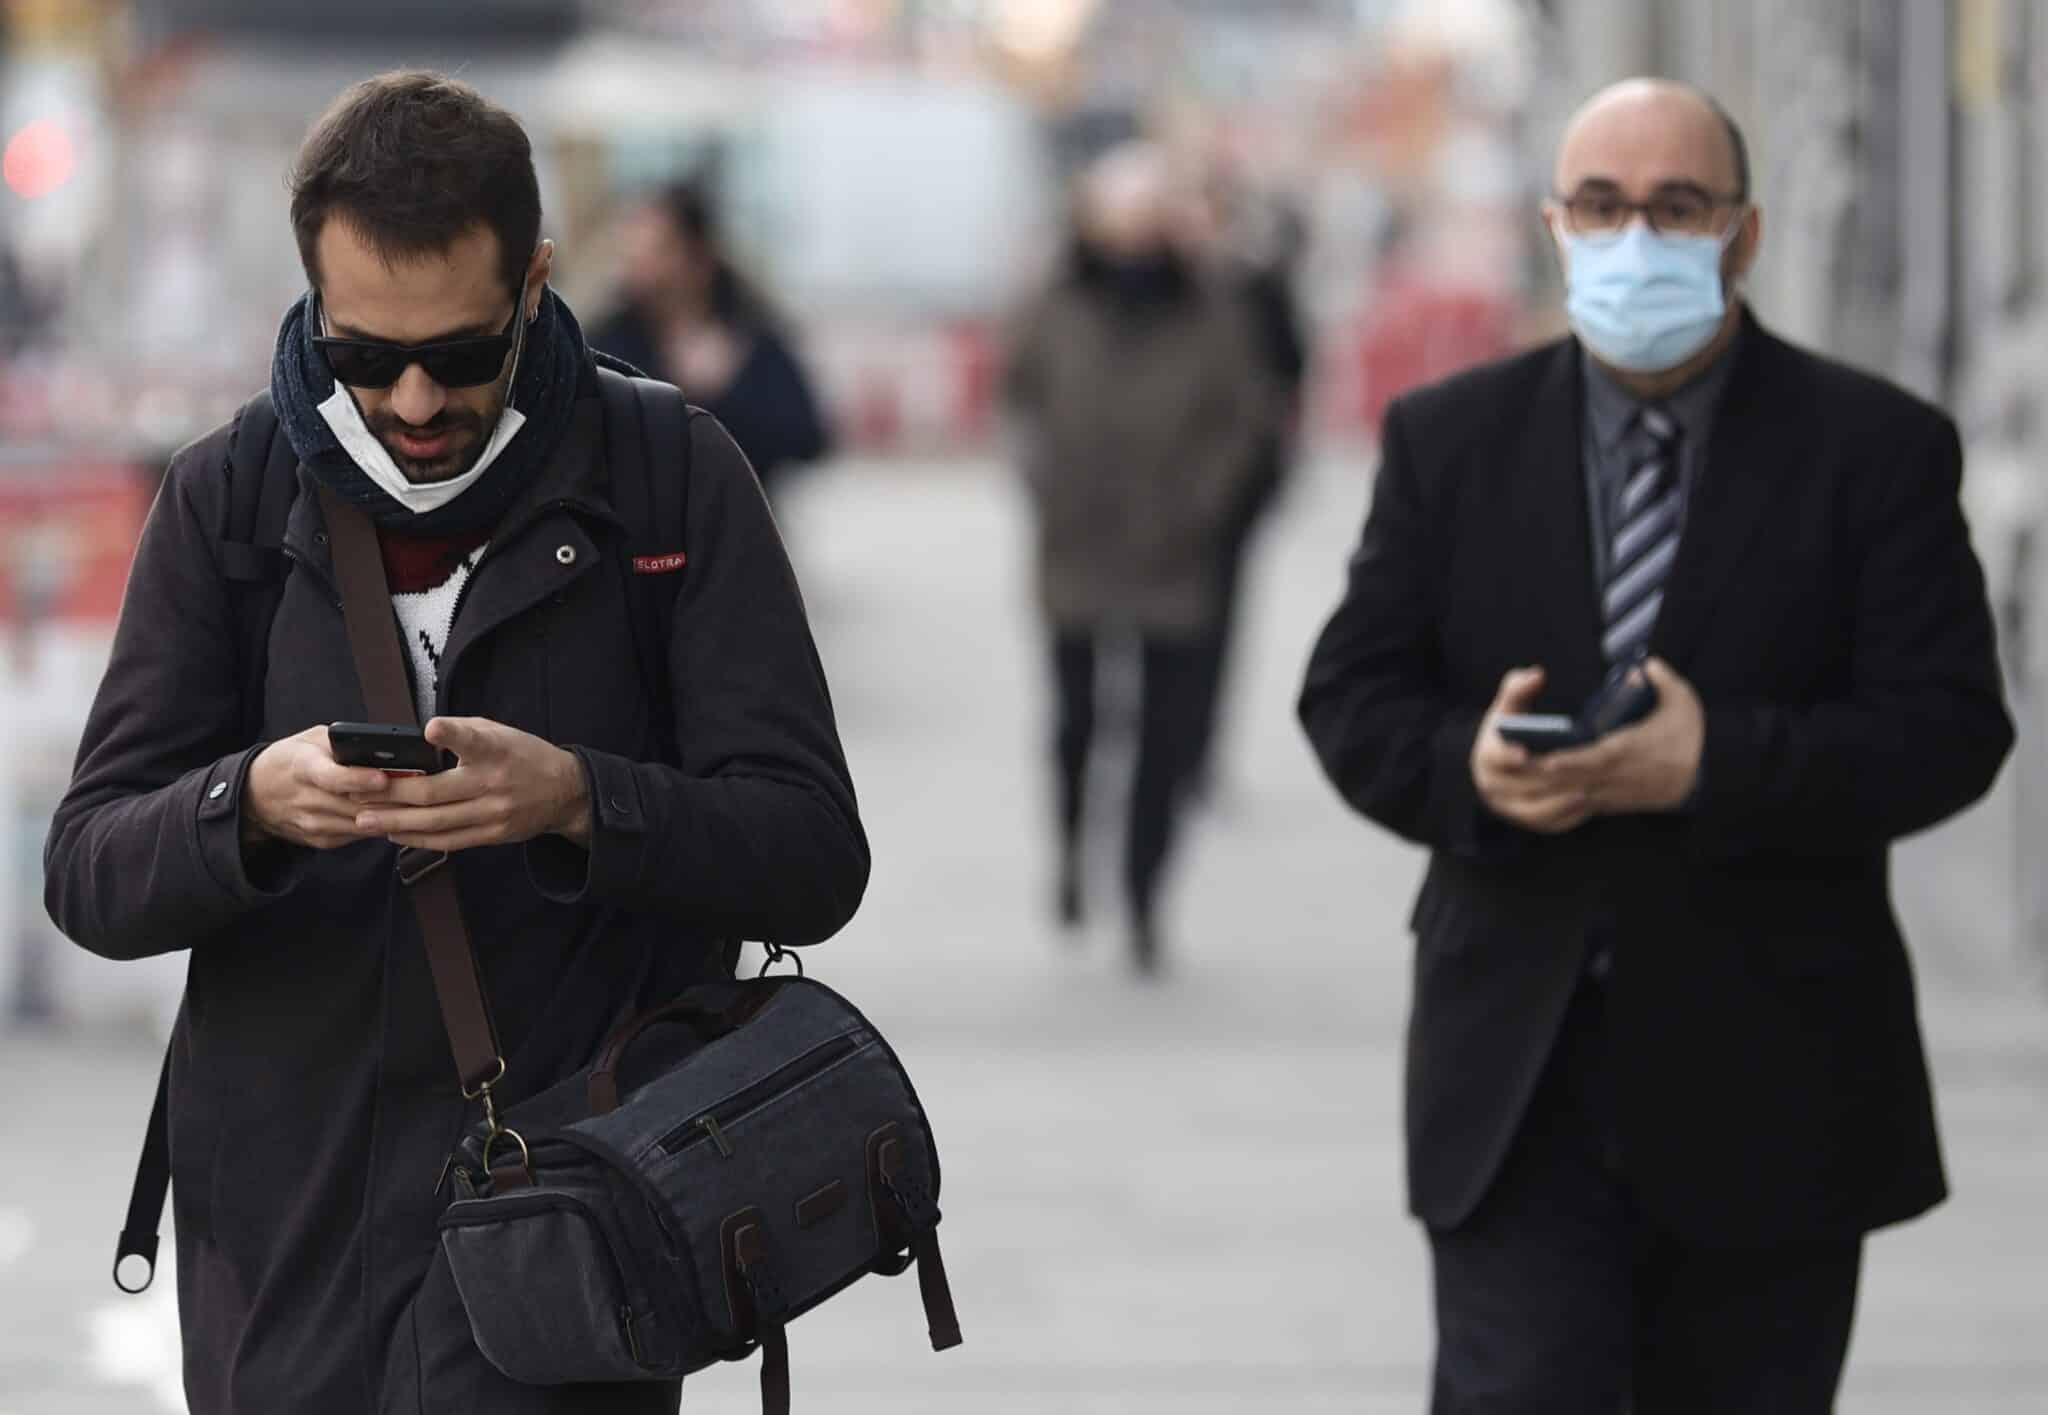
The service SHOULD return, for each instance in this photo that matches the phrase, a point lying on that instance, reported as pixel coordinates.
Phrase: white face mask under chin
(346, 420)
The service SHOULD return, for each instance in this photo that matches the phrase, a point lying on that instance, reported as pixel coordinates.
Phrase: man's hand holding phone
(506, 787)
(1647, 766)
(1650, 766)
(296, 792)
(1512, 780)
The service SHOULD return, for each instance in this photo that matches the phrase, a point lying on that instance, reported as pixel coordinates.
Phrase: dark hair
(690, 209)
(413, 160)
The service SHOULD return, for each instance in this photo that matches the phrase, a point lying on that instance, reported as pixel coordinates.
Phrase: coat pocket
(547, 1291)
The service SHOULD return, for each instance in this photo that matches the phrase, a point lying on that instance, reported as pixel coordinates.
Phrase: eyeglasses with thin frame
(452, 363)
(1679, 210)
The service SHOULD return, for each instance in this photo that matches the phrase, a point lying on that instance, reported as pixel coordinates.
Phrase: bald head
(1644, 133)
(1127, 199)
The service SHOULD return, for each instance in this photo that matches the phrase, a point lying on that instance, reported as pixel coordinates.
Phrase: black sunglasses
(452, 363)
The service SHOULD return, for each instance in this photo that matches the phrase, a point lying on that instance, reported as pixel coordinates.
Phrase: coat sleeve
(1923, 727)
(1375, 704)
(1239, 413)
(144, 854)
(756, 834)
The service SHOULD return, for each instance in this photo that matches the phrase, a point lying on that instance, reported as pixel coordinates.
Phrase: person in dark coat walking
(1141, 401)
(690, 317)
(1665, 1071)
(604, 859)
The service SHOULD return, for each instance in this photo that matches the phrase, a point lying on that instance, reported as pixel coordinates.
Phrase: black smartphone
(392, 749)
(1541, 731)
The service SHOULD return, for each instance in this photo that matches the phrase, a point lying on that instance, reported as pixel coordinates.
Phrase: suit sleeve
(144, 854)
(756, 833)
(1375, 704)
(1923, 728)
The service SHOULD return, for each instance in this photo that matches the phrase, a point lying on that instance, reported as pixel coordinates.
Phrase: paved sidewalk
(1183, 1198)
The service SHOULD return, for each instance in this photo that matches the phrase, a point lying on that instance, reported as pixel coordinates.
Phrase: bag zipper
(710, 1126)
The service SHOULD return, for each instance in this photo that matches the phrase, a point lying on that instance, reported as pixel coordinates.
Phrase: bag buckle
(415, 864)
(496, 1129)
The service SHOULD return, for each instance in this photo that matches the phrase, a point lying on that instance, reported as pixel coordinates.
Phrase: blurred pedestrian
(689, 316)
(1664, 1068)
(433, 394)
(1261, 239)
(1142, 403)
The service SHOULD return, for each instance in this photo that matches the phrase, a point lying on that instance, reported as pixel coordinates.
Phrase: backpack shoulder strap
(261, 488)
(647, 457)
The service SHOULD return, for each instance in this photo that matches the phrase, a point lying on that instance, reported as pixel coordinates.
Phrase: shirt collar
(1611, 410)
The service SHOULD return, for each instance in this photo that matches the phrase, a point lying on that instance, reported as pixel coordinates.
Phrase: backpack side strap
(647, 457)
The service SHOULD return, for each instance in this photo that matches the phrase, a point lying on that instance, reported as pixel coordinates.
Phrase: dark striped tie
(1646, 521)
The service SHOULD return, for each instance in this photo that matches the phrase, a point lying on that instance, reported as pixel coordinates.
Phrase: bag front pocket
(548, 1298)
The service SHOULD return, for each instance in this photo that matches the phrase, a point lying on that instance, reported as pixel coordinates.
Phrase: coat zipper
(711, 1125)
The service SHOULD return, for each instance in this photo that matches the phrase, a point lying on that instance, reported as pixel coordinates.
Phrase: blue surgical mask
(1645, 301)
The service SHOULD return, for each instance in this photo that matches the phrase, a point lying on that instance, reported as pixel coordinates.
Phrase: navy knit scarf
(552, 366)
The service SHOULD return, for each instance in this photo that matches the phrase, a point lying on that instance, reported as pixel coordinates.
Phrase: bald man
(1664, 1067)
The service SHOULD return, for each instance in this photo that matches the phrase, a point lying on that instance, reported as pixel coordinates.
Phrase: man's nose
(416, 398)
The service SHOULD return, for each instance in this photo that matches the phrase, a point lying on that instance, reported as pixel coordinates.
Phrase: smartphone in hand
(395, 750)
(1541, 732)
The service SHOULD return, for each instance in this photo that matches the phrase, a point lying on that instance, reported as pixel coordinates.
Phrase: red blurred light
(38, 159)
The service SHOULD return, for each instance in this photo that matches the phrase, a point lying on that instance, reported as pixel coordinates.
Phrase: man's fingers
(1519, 688)
(326, 775)
(1497, 754)
(395, 821)
(464, 736)
(442, 788)
(1591, 760)
(451, 840)
(1555, 814)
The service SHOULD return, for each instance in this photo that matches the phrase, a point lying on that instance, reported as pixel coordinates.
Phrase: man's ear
(537, 271)
(1742, 252)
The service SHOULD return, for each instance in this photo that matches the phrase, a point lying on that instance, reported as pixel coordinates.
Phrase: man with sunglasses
(1664, 1066)
(606, 841)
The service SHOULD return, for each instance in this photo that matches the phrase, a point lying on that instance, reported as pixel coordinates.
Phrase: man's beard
(386, 425)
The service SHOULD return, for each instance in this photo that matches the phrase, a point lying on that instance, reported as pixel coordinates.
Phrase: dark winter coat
(1142, 413)
(313, 1096)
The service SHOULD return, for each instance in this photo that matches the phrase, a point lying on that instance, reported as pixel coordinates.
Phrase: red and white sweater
(428, 575)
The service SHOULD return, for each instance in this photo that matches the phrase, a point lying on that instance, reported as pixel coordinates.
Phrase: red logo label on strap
(659, 564)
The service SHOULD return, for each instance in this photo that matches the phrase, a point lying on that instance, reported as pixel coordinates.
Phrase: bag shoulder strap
(373, 643)
(647, 457)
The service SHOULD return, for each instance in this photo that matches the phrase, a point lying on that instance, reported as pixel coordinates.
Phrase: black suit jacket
(1827, 606)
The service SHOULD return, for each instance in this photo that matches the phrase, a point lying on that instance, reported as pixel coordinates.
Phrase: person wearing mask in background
(1261, 238)
(431, 380)
(691, 318)
(1665, 1070)
(1138, 390)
